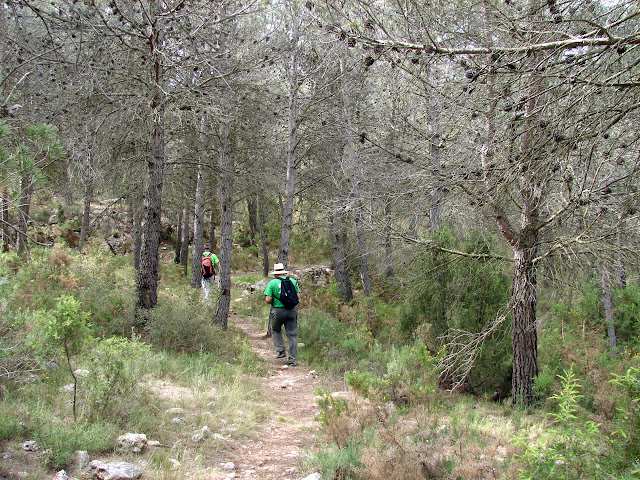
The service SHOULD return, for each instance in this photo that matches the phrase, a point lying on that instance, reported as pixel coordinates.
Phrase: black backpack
(288, 294)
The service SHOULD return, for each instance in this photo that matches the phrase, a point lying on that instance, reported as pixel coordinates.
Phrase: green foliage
(627, 316)
(331, 407)
(628, 414)
(67, 326)
(61, 440)
(408, 374)
(185, 324)
(116, 367)
(569, 448)
(339, 462)
(449, 292)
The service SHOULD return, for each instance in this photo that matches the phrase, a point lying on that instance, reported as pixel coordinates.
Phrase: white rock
(30, 446)
(313, 476)
(205, 432)
(178, 421)
(228, 466)
(175, 464)
(197, 438)
(176, 411)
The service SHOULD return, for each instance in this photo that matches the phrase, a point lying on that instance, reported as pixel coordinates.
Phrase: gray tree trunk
(178, 246)
(608, 307)
(186, 238)
(24, 208)
(263, 237)
(212, 230)
(292, 157)
(252, 210)
(198, 225)
(147, 284)
(221, 314)
(87, 198)
(340, 260)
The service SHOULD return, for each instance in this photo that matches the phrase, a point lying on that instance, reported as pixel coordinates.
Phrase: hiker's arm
(268, 299)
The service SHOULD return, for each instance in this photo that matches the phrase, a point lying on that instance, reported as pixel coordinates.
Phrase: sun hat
(278, 269)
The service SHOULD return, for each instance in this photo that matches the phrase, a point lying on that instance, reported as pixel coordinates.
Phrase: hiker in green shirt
(287, 317)
(210, 266)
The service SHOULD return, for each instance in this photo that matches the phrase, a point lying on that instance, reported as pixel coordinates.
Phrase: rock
(228, 466)
(116, 470)
(178, 421)
(175, 464)
(6, 455)
(313, 476)
(82, 460)
(81, 373)
(134, 442)
(30, 446)
(176, 411)
(197, 438)
(205, 432)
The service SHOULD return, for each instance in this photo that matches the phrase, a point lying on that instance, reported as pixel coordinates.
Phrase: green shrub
(570, 448)
(116, 367)
(184, 324)
(61, 440)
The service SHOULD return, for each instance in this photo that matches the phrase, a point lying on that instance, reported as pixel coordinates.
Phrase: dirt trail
(291, 430)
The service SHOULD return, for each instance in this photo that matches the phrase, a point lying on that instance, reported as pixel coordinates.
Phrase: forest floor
(278, 443)
(291, 431)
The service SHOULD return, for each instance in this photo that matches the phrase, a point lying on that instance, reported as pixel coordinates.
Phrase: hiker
(284, 305)
(210, 266)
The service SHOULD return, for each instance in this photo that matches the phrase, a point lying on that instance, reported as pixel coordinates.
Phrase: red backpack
(207, 266)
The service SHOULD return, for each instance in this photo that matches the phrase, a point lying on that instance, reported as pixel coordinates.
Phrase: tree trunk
(186, 238)
(525, 334)
(252, 209)
(24, 208)
(136, 223)
(178, 246)
(608, 308)
(221, 314)
(388, 244)
(263, 238)
(86, 210)
(212, 230)
(147, 284)
(292, 157)
(198, 225)
(5, 238)
(340, 263)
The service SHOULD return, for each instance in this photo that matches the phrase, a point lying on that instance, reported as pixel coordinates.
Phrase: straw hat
(278, 269)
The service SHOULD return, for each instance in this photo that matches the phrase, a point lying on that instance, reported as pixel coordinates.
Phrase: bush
(116, 367)
(185, 324)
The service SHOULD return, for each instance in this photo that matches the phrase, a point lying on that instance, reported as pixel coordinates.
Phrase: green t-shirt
(273, 290)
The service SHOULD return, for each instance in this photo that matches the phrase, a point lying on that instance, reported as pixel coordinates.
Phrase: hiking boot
(292, 363)
(281, 354)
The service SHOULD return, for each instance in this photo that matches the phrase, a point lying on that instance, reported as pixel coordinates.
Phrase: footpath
(290, 432)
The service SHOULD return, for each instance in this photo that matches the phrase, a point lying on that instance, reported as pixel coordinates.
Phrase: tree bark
(292, 157)
(198, 225)
(86, 200)
(340, 259)
(186, 238)
(147, 284)
(263, 237)
(252, 210)
(24, 208)
(608, 307)
(525, 334)
(178, 246)
(221, 314)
